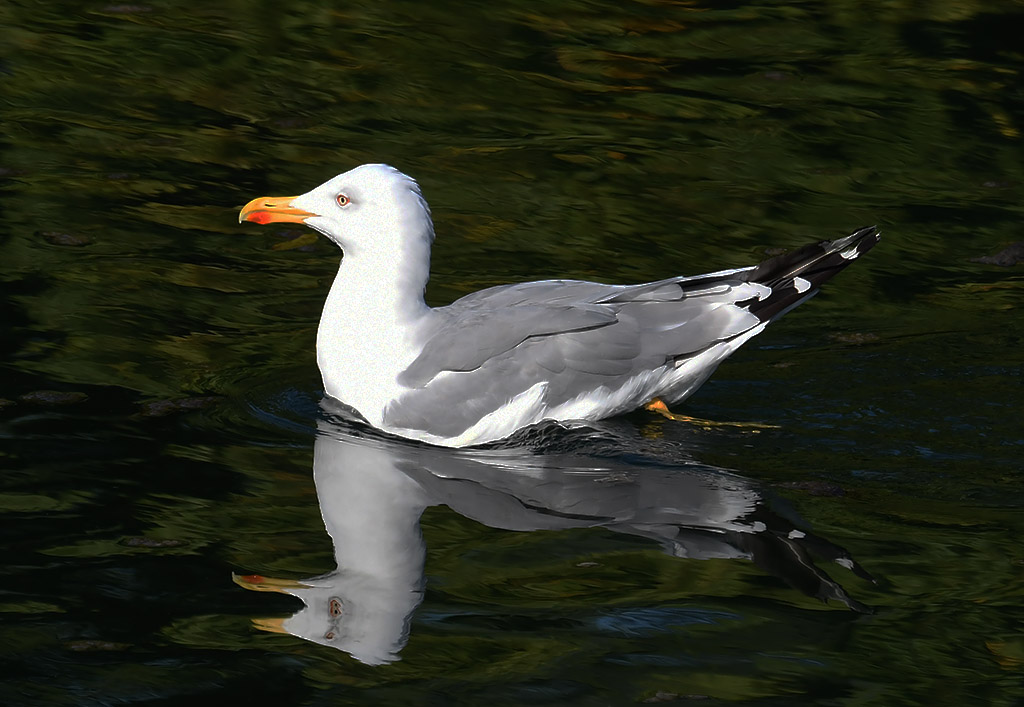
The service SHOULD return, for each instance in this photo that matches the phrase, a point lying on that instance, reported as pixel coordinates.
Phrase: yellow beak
(272, 209)
(270, 625)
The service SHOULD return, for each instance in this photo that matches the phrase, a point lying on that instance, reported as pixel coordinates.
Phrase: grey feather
(470, 336)
(579, 337)
(499, 342)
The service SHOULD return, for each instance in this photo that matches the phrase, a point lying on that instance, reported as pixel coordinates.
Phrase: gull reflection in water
(373, 489)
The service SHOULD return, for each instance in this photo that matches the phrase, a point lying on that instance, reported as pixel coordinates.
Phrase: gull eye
(343, 200)
(334, 607)
(329, 635)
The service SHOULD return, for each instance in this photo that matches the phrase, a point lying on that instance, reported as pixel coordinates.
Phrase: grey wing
(615, 333)
(467, 338)
(476, 328)
(573, 292)
(581, 336)
(480, 326)
(538, 292)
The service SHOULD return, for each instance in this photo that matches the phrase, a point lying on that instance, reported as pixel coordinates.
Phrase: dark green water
(613, 141)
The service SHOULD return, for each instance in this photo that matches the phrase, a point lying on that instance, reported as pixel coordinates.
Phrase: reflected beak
(259, 583)
(270, 625)
(272, 209)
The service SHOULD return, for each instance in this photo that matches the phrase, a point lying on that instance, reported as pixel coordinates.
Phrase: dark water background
(613, 141)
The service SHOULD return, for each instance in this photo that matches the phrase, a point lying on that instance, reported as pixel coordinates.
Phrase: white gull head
(368, 330)
(373, 210)
(370, 209)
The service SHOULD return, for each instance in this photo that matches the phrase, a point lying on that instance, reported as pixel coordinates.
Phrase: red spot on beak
(273, 209)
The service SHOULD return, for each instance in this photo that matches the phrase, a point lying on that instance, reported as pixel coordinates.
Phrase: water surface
(620, 142)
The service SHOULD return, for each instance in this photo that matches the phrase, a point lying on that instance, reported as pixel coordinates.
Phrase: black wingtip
(864, 238)
(795, 262)
(796, 275)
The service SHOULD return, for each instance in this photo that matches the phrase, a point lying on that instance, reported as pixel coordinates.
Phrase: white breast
(361, 347)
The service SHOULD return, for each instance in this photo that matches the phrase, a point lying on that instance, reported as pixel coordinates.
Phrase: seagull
(510, 356)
